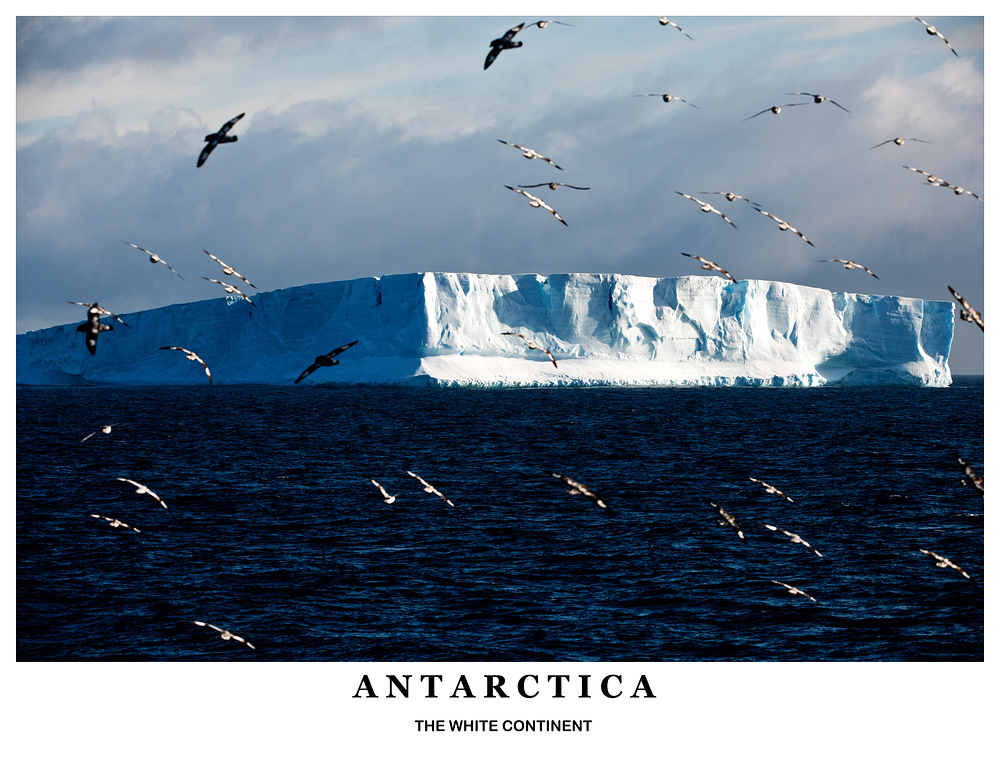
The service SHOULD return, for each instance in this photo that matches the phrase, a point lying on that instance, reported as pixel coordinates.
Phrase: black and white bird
(506, 42)
(552, 186)
(543, 24)
(231, 289)
(707, 207)
(153, 257)
(103, 311)
(531, 154)
(386, 497)
(106, 429)
(793, 590)
(93, 327)
(229, 270)
(957, 189)
(712, 266)
(775, 109)
(576, 488)
(932, 178)
(849, 264)
(727, 520)
(968, 313)
(532, 346)
(971, 478)
(431, 489)
(783, 225)
(226, 635)
(325, 360)
(819, 99)
(142, 489)
(218, 138)
(730, 196)
(668, 98)
(115, 523)
(898, 141)
(931, 30)
(191, 355)
(537, 202)
(943, 562)
(664, 21)
(796, 539)
(771, 489)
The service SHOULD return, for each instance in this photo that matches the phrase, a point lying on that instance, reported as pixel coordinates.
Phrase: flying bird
(898, 141)
(971, 478)
(106, 429)
(142, 489)
(943, 562)
(848, 264)
(103, 311)
(430, 489)
(793, 590)
(231, 289)
(771, 489)
(153, 257)
(935, 33)
(226, 635)
(533, 346)
(191, 356)
(325, 360)
(93, 327)
(543, 24)
(576, 488)
(932, 178)
(710, 266)
(530, 154)
(796, 539)
(775, 109)
(218, 138)
(957, 190)
(115, 523)
(818, 99)
(664, 21)
(968, 313)
(229, 270)
(727, 520)
(506, 42)
(730, 196)
(552, 185)
(668, 98)
(537, 202)
(708, 208)
(386, 497)
(783, 225)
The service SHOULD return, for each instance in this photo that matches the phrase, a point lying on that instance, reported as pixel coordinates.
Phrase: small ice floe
(106, 429)
(231, 290)
(775, 109)
(727, 520)
(537, 202)
(103, 311)
(225, 634)
(968, 312)
(530, 154)
(552, 185)
(707, 207)
(819, 99)
(153, 257)
(506, 42)
(971, 478)
(783, 225)
(219, 137)
(848, 264)
(711, 266)
(142, 489)
(576, 488)
(898, 141)
(793, 590)
(325, 360)
(931, 30)
(771, 489)
(668, 98)
(532, 345)
(943, 562)
(386, 497)
(93, 327)
(430, 489)
(664, 21)
(229, 270)
(191, 356)
(796, 539)
(115, 523)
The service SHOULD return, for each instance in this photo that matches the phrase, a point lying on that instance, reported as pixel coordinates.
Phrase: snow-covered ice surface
(446, 329)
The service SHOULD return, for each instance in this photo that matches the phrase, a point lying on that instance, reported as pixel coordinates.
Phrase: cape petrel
(819, 99)
(226, 635)
(543, 24)
(430, 489)
(506, 42)
(968, 313)
(103, 311)
(153, 257)
(142, 489)
(93, 327)
(219, 137)
(771, 489)
(552, 185)
(668, 98)
(229, 270)
(783, 225)
(664, 21)
(115, 523)
(530, 154)
(727, 520)
(775, 109)
(796, 539)
(711, 266)
(943, 562)
(106, 429)
(849, 264)
(576, 488)
(325, 360)
(707, 207)
(386, 497)
(971, 478)
(931, 30)
(532, 346)
(730, 196)
(231, 289)
(537, 202)
(191, 355)
(898, 141)
(793, 590)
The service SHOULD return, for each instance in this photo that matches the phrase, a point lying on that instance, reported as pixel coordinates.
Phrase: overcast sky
(369, 147)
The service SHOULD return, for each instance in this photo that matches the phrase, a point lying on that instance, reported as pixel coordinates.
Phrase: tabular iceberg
(446, 329)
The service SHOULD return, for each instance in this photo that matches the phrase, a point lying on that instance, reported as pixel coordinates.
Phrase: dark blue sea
(274, 532)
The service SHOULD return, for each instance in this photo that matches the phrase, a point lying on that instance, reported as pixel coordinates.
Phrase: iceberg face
(447, 329)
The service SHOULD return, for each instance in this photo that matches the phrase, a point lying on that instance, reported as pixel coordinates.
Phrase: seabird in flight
(93, 327)
(533, 346)
(818, 99)
(153, 257)
(968, 313)
(943, 562)
(730, 196)
(103, 311)
(530, 154)
(727, 520)
(576, 488)
(386, 497)
(794, 538)
(775, 109)
(971, 478)
(500, 44)
(229, 270)
(956, 189)
(142, 489)
(191, 356)
(783, 225)
(218, 138)
(113, 522)
(935, 33)
(793, 590)
(543, 24)
(710, 266)
(231, 289)
(325, 360)
(708, 208)
(552, 185)
(899, 141)
(932, 178)
(668, 98)
(664, 21)
(537, 202)
(226, 635)
(106, 429)
(430, 489)
(849, 264)
(771, 489)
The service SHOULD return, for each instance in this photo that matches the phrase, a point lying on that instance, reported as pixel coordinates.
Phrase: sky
(370, 147)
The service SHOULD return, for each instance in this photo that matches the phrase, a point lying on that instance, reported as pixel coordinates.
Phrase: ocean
(274, 532)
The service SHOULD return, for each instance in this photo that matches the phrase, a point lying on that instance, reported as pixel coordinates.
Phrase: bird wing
(229, 124)
(337, 351)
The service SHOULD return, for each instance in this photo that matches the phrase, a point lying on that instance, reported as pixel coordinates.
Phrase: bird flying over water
(793, 590)
(115, 523)
(775, 109)
(537, 202)
(506, 42)
(707, 207)
(386, 497)
(668, 98)
(106, 429)
(710, 266)
(968, 313)
(530, 154)
(783, 225)
(726, 520)
(219, 137)
(935, 33)
(142, 489)
(576, 488)
(430, 489)
(226, 635)
(325, 360)
(794, 538)
(771, 489)
(191, 356)
(664, 21)
(898, 141)
(231, 289)
(153, 257)
(533, 346)
(818, 99)
(943, 562)
(971, 478)
(93, 327)
(103, 311)
(229, 270)
(552, 185)
(848, 264)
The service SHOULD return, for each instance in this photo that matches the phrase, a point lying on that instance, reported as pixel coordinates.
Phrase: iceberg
(446, 329)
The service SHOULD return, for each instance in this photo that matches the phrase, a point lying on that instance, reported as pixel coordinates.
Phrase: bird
(533, 346)
(818, 99)
(943, 562)
(500, 44)
(849, 265)
(231, 289)
(898, 141)
(932, 178)
(106, 429)
(783, 225)
(664, 21)
(226, 635)
(191, 356)
(727, 520)
(142, 489)
(552, 185)
(576, 488)
(668, 98)
(530, 154)
(229, 270)
(775, 109)
(957, 190)
(103, 311)
(710, 266)
(793, 590)
(708, 208)
(543, 24)
(115, 523)
(386, 497)
(968, 313)
(935, 33)
(217, 138)
(325, 360)
(537, 202)
(93, 327)
(771, 489)
(794, 538)
(430, 489)
(971, 478)
(153, 257)
(730, 196)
